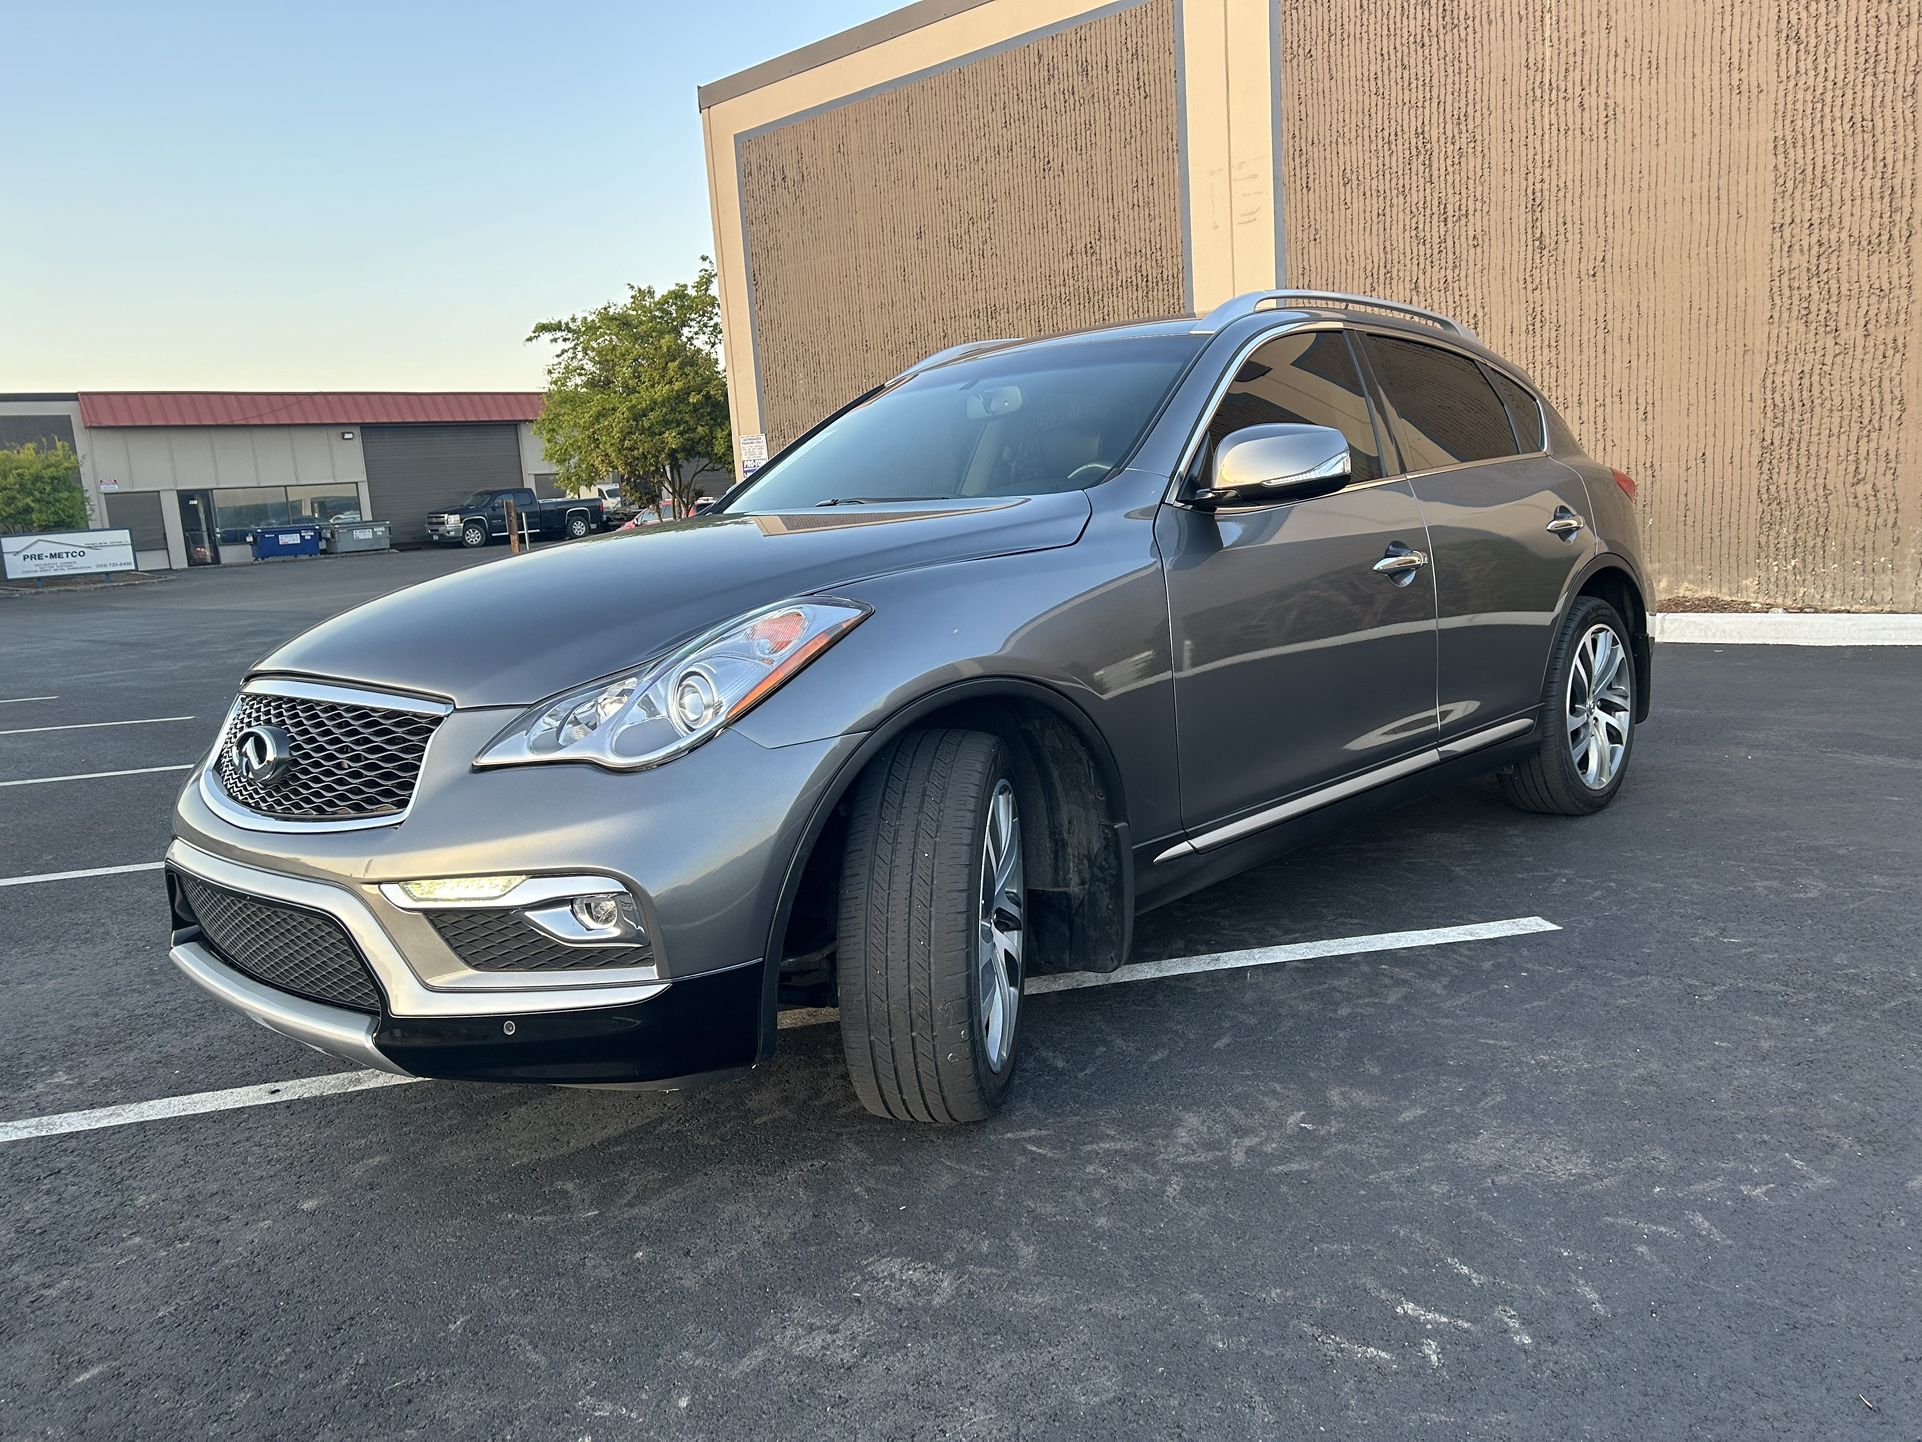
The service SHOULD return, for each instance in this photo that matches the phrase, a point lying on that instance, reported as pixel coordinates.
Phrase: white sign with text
(65, 553)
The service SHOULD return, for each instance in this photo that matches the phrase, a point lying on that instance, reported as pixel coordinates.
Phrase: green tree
(40, 490)
(635, 391)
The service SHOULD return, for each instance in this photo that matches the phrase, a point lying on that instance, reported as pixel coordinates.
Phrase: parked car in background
(1036, 636)
(614, 505)
(482, 518)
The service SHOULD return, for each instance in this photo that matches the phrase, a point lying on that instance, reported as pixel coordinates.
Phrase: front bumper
(442, 529)
(703, 844)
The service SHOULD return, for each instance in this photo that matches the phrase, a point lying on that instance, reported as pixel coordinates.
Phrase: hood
(512, 632)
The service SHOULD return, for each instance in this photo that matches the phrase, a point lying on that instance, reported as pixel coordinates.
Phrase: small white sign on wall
(753, 453)
(65, 553)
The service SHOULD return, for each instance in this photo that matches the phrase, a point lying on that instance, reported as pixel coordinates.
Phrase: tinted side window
(1307, 378)
(1523, 411)
(1440, 405)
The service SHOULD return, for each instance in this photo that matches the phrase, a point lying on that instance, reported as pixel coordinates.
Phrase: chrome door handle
(1566, 524)
(1400, 563)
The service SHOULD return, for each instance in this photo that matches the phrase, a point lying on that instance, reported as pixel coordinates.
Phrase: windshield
(1023, 422)
(478, 501)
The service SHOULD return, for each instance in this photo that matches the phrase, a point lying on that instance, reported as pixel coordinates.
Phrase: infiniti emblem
(263, 755)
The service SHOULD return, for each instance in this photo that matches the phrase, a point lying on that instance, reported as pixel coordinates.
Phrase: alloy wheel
(1003, 899)
(1600, 707)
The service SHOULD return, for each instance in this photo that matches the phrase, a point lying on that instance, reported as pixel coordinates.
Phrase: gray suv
(1034, 637)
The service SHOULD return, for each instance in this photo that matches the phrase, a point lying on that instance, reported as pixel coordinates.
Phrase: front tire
(931, 949)
(473, 534)
(1587, 718)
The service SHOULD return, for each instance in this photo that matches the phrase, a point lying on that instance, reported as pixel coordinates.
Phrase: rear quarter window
(1524, 411)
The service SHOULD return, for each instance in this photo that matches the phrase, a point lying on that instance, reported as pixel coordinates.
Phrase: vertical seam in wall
(1275, 176)
(1228, 129)
(1183, 159)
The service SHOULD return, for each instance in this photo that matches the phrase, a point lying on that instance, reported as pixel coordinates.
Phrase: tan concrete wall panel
(1032, 190)
(1696, 224)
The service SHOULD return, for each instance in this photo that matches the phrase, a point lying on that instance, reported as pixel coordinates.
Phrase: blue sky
(347, 196)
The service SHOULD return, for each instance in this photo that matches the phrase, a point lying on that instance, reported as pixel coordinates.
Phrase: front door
(197, 528)
(1297, 663)
(1508, 523)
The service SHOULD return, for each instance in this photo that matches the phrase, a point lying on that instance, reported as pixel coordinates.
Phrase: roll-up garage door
(412, 470)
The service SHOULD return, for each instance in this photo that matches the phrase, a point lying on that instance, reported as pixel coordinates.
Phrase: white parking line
(97, 775)
(198, 1102)
(1300, 951)
(77, 875)
(16, 700)
(92, 725)
(195, 1103)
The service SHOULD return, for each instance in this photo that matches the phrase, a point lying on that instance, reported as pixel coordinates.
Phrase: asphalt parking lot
(1654, 1172)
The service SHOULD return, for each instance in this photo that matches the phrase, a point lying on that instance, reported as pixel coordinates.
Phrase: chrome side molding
(1342, 790)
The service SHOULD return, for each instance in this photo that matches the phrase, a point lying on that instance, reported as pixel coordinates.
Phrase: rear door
(1297, 664)
(1507, 523)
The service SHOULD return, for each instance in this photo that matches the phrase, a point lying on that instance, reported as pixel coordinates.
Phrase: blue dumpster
(289, 540)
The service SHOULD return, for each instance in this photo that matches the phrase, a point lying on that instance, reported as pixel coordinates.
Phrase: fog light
(598, 913)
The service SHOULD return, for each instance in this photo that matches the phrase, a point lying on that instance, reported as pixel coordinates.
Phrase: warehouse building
(1696, 225)
(190, 473)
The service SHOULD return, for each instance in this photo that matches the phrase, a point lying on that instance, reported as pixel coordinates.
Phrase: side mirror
(1263, 464)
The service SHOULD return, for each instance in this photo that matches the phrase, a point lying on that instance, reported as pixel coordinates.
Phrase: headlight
(655, 713)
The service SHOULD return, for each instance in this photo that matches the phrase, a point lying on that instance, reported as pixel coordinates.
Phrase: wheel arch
(1609, 576)
(1064, 768)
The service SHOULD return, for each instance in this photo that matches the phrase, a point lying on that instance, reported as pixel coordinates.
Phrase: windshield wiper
(874, 500)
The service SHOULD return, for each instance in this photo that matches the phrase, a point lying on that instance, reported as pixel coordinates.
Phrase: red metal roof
(303, 408)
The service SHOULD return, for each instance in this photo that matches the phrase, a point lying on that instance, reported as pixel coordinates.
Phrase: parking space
(1649, 1167)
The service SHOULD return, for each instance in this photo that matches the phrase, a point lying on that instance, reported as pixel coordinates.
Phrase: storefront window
(242, 508)
(325, 501)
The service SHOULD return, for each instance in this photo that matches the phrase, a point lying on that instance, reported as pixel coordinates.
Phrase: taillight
(1626, 482)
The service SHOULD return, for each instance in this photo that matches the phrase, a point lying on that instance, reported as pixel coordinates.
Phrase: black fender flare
(872, 745)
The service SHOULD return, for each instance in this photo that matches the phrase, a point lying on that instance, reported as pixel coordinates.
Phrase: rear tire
(1587, 725)
(577, 526)
(931, 948)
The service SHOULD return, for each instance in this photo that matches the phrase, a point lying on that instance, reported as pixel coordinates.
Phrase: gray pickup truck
(482, 517)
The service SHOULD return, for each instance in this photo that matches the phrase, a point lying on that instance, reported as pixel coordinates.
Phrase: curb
(1787, 628)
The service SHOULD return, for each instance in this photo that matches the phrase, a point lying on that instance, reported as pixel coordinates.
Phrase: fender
(1641, 645)
(877, 741)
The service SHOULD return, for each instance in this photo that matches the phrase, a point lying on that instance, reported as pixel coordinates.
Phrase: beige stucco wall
(889, 226)
(1697, 225)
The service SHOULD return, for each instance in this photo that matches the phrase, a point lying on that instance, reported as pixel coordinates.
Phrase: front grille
(501, 941)
(350, 762)
(287, 947)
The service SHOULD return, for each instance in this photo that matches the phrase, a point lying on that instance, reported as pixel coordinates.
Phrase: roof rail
(1257, 300)
(953, 352)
